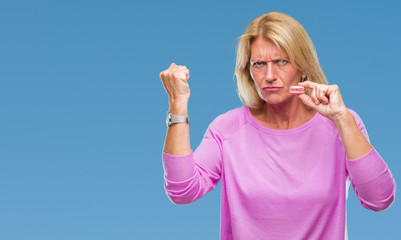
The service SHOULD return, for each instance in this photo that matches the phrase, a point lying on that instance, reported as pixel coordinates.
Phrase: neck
(289, 114)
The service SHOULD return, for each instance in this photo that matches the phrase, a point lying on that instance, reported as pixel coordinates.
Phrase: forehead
(265, 49)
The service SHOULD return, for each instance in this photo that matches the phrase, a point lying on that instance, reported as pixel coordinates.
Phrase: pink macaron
(296, 90)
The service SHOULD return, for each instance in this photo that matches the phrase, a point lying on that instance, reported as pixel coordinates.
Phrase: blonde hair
(288, 35)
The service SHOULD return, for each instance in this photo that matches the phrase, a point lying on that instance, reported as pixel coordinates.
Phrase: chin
(276, 100)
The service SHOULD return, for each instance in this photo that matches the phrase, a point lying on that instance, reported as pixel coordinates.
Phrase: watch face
(168, 119)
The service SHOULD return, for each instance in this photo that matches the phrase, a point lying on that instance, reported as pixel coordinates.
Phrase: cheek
(290, 75)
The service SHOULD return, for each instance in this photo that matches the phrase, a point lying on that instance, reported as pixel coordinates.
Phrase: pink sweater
(278, 184)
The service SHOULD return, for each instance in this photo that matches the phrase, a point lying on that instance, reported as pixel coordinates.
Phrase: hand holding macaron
(326, 99)
(297, 90)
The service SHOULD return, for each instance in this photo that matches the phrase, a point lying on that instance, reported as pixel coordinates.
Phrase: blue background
(82, 109)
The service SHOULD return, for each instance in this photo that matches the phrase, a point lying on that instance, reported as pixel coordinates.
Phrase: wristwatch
(170, 119)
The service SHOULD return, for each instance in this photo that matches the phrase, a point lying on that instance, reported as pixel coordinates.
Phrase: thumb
(307, 100)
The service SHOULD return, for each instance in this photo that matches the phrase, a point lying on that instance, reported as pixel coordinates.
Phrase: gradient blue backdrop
(82, 109)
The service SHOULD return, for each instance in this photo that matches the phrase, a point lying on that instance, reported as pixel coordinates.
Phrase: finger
(308, 101)
(176, 76)
(181, 72)
(307, 84)
(324, 99)
(178, 68)
(186, 71)
(161, 75)
(322, 93)
(319, 93)
(333, 89)
(166, 72)
(174, 67)
(313, 95)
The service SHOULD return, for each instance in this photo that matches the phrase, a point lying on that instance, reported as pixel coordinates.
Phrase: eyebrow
(272, 59)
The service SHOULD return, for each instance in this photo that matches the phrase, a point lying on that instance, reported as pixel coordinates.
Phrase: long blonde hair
(288, 35)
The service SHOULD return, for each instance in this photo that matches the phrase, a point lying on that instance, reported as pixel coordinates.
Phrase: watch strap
(179, 119)
(176, 119)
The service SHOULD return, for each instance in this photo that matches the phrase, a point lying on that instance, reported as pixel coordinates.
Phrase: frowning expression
(272, 72)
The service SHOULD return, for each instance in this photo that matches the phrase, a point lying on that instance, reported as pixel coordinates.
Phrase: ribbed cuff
(366, 168)
(178, 168)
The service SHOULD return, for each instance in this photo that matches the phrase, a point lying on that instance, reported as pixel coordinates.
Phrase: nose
(270, 73)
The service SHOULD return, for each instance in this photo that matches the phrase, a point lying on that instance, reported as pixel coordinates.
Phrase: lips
(271, 89)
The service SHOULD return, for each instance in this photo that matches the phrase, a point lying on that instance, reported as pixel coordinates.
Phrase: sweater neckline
(265, 129)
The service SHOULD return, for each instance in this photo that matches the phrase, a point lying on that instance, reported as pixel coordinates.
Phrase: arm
(372, 181)
(188, 176)
(175, 82)
(327, 100)
(355, 143)
(369, 174)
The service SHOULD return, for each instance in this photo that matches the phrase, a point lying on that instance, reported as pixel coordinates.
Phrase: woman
(285, 160)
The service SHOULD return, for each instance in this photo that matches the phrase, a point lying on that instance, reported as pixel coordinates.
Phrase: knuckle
(176, 75)
(170, 74)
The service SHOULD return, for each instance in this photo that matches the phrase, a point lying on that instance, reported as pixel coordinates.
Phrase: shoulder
(229, 122)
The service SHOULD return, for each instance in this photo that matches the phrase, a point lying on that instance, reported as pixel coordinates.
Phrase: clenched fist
(175, 81)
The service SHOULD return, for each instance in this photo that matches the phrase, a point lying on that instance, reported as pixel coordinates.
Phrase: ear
(304, 78)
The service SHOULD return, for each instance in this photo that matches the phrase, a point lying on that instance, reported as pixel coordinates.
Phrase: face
(272, 73)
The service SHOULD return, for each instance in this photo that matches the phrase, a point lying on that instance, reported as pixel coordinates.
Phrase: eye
(258, 65)
(281, 62)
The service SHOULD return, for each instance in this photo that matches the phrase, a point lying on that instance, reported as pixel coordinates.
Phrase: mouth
(271, 89)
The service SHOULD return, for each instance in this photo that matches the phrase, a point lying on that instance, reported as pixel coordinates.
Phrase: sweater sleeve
(188, 178)
(371, 178)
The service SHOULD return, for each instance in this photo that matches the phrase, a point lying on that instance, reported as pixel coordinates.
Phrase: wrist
(343, 119)
(178, 107)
